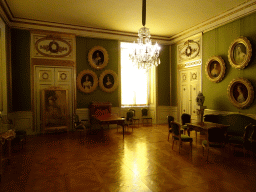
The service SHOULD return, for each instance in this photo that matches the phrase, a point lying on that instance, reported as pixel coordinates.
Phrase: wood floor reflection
(144, 161)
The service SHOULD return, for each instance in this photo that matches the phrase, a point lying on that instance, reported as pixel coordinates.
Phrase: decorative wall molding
(52, 46)
(222, 19)
(216, 112)
(229, 16)
(190, 49)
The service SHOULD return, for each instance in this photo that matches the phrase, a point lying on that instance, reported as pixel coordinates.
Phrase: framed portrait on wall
(215, 69)
(87, 81)
(98, 57)
(241, 92)
(108, 81)
(239, 53)
(54, 109)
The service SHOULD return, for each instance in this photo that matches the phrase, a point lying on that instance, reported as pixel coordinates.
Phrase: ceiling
(164, 18)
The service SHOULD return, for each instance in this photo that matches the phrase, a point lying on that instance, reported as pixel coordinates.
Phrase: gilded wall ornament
(239, 53)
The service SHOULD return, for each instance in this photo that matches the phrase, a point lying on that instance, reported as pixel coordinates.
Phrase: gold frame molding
(54, 114)
(103, 81)
(102, 53)
(240, 92)
(215, 69)
(243, 45)
(93, 81)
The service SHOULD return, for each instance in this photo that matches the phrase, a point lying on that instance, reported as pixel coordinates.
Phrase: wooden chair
(146, 120)
(177, 136)
(170, 119)
(80, 126)
(134, 120)
(128, 119)
(186, 118)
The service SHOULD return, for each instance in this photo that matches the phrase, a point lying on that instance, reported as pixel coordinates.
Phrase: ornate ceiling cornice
(231, 15)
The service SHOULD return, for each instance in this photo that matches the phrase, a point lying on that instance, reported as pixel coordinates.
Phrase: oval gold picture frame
(240, 52)
(98, 57)
(215, 69)
(87, 81)
(240, 92)
(108, 81)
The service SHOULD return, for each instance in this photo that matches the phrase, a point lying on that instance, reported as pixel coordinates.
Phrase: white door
(189, 86)
(46, 77)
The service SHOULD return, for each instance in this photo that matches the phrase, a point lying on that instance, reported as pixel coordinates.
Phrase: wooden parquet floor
(144, 161)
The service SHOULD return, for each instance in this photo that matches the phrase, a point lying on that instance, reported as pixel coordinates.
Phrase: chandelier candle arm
(144, 55)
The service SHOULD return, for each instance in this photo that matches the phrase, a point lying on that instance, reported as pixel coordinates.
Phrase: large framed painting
(108, 81)
(215, 69)
(54, 109)
(87, 81)
(241, 92)
(98, 57)
(239, 53)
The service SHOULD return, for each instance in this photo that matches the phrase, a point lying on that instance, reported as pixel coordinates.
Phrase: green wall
(174, 73)
(164, 77)
(83, 46)
(20, 59)
(217, 42)
(21, 82)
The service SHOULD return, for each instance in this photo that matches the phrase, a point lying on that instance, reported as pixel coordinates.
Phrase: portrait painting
(239, 53)
(108, 81)
(240, 92)
(98, 57)
(215, 69)
(54, 104)
(87, 81)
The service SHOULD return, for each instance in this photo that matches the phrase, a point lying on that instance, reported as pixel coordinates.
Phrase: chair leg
(191, 147)
(168, 136)
(207, 153)
(179, 146)
(172, 143)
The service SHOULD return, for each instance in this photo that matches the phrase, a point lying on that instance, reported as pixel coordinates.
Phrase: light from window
(134, 82)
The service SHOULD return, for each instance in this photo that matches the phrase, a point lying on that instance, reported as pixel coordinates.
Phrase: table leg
(123, 131)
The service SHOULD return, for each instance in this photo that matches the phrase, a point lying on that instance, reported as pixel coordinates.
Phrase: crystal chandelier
(144, 55)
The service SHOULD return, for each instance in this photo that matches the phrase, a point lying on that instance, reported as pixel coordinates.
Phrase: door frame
(50, 63)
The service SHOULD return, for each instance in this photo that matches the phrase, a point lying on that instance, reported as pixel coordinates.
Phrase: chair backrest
(185, 118)
(175, 128)
(132, 110)
(170, 119)
(129, 115)
(216, 135)
(76, 118)
(253, 136)
(144, 112)
(249, 131)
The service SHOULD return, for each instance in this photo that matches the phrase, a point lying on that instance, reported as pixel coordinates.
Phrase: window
(134, 82)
